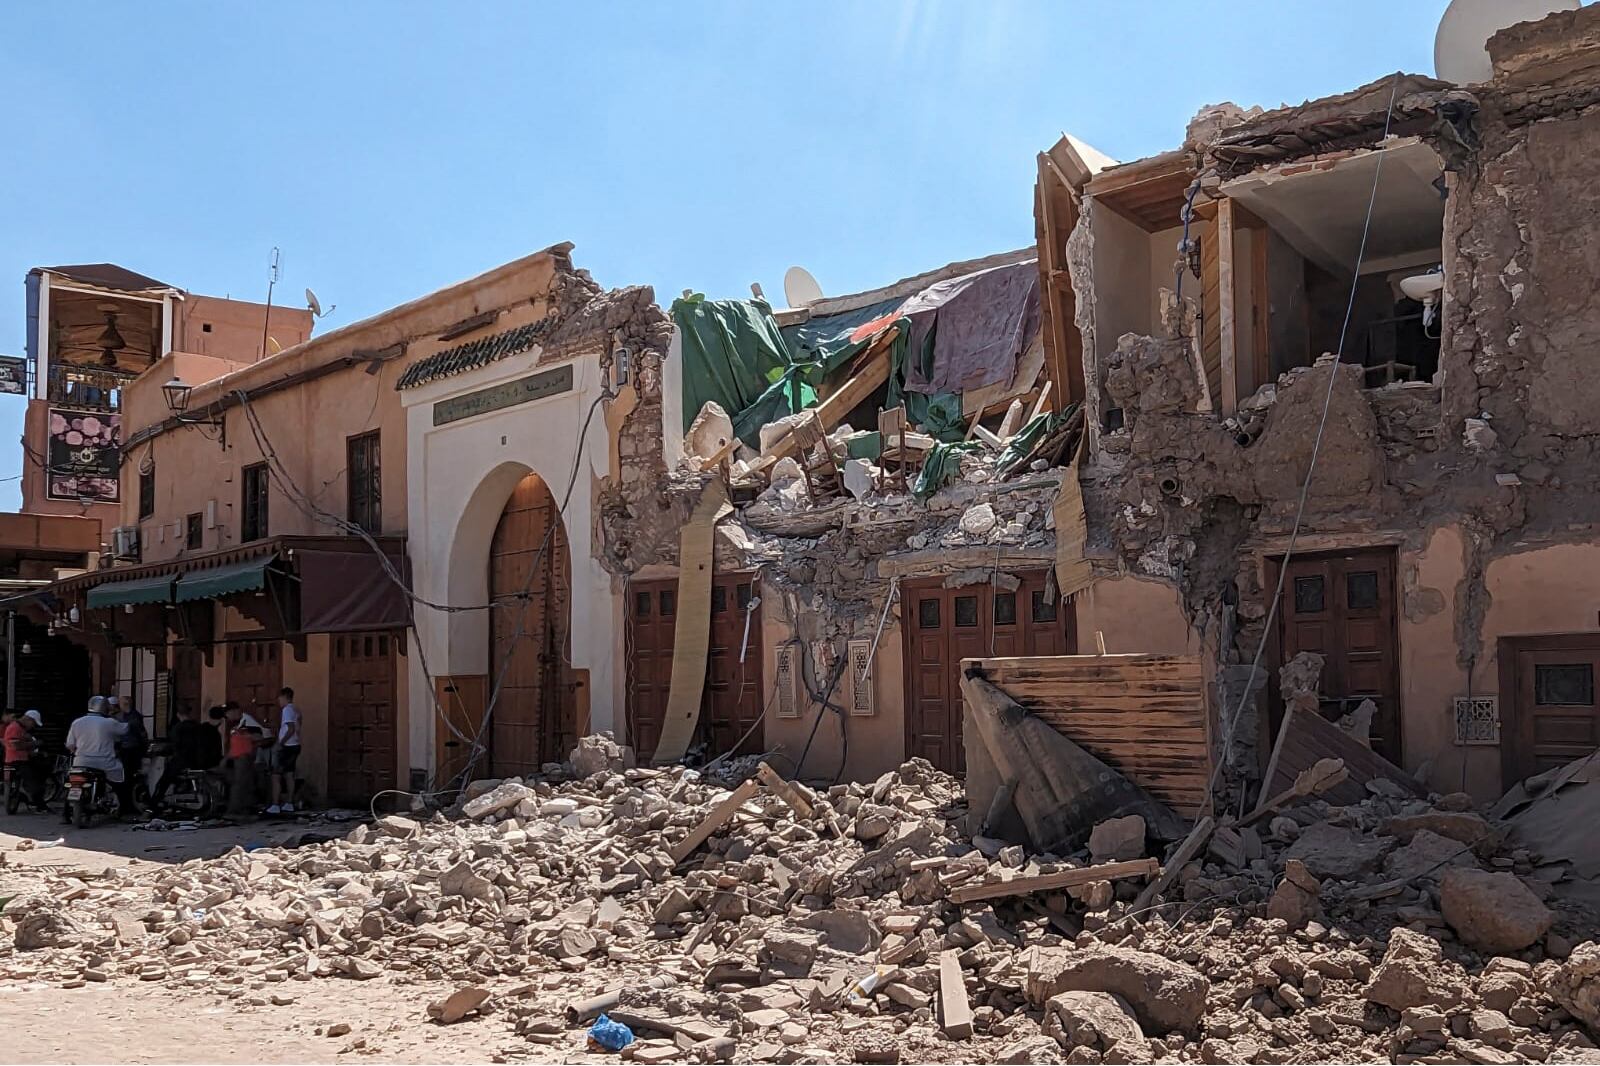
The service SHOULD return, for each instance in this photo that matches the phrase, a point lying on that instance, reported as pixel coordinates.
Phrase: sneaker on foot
(274, 809)
(288, 808)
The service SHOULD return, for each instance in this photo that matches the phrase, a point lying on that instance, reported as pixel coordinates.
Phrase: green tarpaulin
(941, 465)
(224, 580)
(138, 590)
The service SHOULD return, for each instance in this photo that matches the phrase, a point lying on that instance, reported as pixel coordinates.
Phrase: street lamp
(177, 392)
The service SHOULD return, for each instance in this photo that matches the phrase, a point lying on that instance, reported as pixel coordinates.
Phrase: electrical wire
(1316, 450)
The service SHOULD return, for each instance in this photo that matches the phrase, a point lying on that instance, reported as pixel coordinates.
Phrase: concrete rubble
(833, 936)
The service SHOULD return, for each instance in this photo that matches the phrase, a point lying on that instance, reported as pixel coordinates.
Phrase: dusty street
(45, 1021)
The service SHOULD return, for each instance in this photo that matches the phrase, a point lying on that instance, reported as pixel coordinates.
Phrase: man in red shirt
(22, 749)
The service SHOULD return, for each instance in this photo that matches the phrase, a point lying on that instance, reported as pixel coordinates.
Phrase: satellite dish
(272, 342)
(316, 305)
(1460, 45)
(800, 289)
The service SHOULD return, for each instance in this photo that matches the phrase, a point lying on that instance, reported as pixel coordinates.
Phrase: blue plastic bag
(610, 1035)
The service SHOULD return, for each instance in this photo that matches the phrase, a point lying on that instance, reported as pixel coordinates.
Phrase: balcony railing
(88, 388)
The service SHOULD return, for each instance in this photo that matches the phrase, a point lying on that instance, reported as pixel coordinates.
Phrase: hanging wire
(1316, 450)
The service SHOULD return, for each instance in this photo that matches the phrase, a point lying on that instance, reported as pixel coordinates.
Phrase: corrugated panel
(1143, 715)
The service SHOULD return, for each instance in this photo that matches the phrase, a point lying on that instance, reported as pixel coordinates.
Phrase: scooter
(88, 792)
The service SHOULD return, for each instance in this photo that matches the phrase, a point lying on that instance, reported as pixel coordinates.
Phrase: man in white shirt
(92, 741)
(285, 754)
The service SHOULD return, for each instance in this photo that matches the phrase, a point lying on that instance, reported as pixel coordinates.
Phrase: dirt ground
(43, 1023)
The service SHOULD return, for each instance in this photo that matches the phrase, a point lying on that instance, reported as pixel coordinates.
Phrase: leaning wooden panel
(1143, 715)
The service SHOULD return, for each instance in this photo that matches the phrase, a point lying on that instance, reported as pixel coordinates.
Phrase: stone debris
(828, 929)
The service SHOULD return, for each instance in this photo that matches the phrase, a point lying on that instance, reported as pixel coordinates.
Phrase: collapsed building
(1189, 309)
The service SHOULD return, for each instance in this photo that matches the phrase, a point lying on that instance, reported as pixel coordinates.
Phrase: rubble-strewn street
(821, 927)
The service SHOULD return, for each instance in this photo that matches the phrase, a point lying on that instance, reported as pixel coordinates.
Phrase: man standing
(132, 745)
(285, 754)
(92, 742)
(24, 759)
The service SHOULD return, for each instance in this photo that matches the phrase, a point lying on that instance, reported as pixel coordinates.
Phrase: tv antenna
(274, 261)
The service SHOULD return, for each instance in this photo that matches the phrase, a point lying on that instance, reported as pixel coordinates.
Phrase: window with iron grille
(147, 493)
(193, 532)
(253, 509)
(363, 474)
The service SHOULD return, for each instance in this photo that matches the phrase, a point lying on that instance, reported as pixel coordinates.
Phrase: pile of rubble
(773, 923)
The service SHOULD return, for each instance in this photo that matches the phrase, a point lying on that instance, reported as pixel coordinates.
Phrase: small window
(966, 611)
(1563, 684)
(253, 509)
(205, 327)
(363, 477)
(719, 598)
(1361, 590)
(742, 595)
(147, 493)
(669, 602)
(1043, 607)
(641, 604)
(927, 614)
(1308, 594)
(193, 532)
(1005, 608)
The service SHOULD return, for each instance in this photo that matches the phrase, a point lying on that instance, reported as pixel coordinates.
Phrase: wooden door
(731, 703)
(533, 720)
(255, 675)
(1341, 606)
(943, 626)
(187, 667)
(361, 716)
(1548, 703)
(460, 700)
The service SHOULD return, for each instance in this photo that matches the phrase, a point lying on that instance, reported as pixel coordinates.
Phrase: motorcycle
(194, 795)
(88, 792)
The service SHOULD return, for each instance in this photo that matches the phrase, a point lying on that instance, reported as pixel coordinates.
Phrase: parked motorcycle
(195, 794)
(88, 793)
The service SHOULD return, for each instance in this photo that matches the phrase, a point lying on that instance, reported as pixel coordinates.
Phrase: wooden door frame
(1271, 567)
(1513, 719)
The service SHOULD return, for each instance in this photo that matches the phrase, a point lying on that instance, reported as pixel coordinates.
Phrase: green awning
(249, 576)
(138, 590)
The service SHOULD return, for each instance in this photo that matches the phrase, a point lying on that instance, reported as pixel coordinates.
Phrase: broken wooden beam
(875, 365)
(955, 1009)
(785, 791)
(1186, 852)
(1087, 875)
(1318, 778)
(720, 815)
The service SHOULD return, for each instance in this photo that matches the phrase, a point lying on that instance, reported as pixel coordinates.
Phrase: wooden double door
(1342, 606)
(255, 676)
(731, 701)
(534, 717)
(942, 626)
(362, 715)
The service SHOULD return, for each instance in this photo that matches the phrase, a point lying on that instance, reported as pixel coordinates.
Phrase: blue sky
(389, 149)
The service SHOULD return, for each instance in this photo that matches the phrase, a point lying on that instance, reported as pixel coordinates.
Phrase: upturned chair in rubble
(893, 425)
(815, 456)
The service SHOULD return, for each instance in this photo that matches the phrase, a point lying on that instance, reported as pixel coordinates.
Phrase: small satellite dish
(800, 289)
(316, 305)
(273, 343)
(1460, 45)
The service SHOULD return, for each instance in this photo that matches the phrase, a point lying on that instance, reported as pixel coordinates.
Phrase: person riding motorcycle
(92, 742)
(24, 758)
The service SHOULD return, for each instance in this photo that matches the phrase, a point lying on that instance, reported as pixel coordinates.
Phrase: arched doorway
(530, 640)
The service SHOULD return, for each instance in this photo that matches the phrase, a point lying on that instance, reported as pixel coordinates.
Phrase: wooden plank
(1190, 847)
(874, 369)
(955, 1009)
(1041, 403)
(1062, 879)
(1055, 216)
(1320, 778)
(719, 816)
(1227, 342)
(691, 633)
